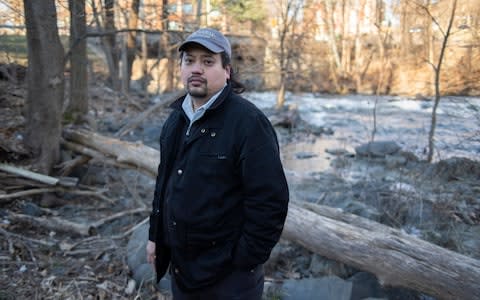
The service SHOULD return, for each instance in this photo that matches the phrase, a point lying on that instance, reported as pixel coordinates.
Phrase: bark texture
(397, 259)
(45, 83)
(78, 104)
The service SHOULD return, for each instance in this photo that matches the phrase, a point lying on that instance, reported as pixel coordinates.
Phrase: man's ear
(228, 68)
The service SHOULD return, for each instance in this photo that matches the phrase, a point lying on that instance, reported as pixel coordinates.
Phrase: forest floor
(41, 257)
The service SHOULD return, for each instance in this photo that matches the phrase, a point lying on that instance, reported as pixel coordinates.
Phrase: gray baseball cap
(209, 38)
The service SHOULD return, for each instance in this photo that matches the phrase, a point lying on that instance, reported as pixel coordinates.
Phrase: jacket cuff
(152, 231)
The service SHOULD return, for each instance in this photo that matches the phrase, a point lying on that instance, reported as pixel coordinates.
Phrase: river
(353, 117)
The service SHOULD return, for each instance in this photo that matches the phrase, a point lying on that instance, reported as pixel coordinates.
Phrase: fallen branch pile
(396, 258)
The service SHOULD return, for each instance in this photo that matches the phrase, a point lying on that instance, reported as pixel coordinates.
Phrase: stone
(377, 149)
(330, 287)
(305, 155)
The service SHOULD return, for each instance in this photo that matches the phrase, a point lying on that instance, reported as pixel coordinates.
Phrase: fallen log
(396, 258)
(63, 181)
(52, 223)
(134, 154)
(58, 224)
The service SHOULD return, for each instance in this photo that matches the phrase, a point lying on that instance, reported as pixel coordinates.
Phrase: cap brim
(202, 42)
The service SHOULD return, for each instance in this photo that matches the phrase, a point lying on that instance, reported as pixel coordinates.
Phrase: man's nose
(197, 68)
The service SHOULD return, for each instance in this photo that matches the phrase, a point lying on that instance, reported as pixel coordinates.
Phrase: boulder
(137, 260)
(378, 149)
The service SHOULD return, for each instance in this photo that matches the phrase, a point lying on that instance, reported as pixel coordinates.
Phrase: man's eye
(188, 60)
(208, 62)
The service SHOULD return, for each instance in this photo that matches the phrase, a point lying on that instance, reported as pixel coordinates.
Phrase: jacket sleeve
(155, 215)
(265, 191)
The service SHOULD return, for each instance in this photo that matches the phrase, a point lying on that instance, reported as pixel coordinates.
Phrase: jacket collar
(177, 104)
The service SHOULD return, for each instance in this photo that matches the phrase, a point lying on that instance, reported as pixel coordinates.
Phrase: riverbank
(437, 202)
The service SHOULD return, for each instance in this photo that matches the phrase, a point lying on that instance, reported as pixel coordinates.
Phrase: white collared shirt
(194, 116)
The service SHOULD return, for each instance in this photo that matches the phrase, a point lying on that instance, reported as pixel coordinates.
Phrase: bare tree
(78, 105)
(132, 39)
(170, 52)
(107, 24)
(437, 70)
(289, 41)
(45, 83)
(334, 58)
(360, 64)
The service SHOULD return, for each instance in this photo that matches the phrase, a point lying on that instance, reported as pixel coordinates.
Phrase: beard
(197, 90)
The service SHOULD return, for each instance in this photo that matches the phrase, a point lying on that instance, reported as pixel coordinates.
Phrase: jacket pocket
(208, 238)
(215, 165)
(214, 158)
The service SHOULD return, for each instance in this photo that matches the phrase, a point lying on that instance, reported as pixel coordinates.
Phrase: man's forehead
(199, 51)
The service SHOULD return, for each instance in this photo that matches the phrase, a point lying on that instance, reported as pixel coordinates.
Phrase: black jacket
(221, 196)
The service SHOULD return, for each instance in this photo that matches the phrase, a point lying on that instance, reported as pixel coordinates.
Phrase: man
(221, 196)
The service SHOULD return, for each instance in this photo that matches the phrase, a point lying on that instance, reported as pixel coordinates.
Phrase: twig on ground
(89, 251)
(6, 198)
(66, 167)
(10, 243)
(78, 289)
(133, 192)
(85, 240)
(98, 194)
(56, 223)
(53, 223)
(31, 253)
(43, 243)
(123, 235)
(117, 215)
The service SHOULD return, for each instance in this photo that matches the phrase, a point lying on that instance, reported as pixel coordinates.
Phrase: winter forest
(376, 104)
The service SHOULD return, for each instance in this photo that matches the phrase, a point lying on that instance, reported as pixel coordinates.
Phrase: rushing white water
(405, 121)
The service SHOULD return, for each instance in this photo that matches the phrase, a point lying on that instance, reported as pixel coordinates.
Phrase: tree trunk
(132, 40)
(45, 83)
(405, 39)
(170, 54)
(281, 94)
(78, 105)
(198, 7)
(359, 60)
(172, 63)
(145, 74)
(334, 57)
(179, 14)
(428, 44)
(110, 44)
(437, 69)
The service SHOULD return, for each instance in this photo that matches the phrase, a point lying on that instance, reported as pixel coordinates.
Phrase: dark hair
(237, 86)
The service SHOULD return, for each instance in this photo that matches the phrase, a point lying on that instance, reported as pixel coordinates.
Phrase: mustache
(196, 78)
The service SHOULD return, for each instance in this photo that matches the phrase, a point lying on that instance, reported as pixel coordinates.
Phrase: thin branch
(6, 198)
(53, 223)
(118, 215)
(29, 174)
(43, 243)
(126, 233)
